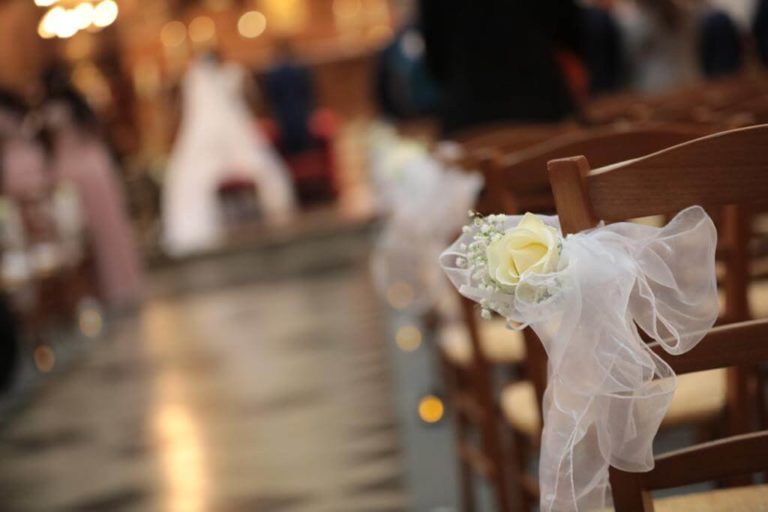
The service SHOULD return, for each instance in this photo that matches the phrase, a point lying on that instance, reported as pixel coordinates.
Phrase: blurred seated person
(660, 40)
(79, 155)
(291, 97)
(304, 134)
(498, 60)
(404, 87)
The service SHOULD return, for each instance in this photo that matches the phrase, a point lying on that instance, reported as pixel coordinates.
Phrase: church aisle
(269, 394)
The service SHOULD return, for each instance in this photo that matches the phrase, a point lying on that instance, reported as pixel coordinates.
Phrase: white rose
(532, 246)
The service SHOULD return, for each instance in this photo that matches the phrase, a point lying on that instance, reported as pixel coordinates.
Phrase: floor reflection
(270, 393)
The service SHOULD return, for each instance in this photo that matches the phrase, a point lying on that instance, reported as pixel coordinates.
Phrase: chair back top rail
(602, 146)
(724, 168)
(731, 456)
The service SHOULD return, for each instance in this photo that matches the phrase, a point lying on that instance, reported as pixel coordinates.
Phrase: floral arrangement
(499, 259)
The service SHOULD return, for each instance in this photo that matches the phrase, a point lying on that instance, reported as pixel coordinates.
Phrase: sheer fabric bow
(607, 391)
(425, 208)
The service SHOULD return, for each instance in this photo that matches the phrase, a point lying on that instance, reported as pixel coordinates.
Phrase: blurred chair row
(495, 378)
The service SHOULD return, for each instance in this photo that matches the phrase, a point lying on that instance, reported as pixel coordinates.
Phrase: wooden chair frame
(727, 169)
(736, 456)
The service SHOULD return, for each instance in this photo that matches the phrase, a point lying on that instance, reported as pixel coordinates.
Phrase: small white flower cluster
(484, 230)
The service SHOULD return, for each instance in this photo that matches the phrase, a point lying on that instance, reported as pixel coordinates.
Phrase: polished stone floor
(251, 382)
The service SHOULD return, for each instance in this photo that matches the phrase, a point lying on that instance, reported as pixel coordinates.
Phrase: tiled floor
(256, 389)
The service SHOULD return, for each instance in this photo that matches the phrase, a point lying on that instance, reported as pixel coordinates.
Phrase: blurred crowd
(543, 61)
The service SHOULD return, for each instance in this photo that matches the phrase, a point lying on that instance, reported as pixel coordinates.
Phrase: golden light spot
(173, 34)
(431, 409)
(90, 322)
(105, 13)
(202, 29)
(400, 295)
(84, 14)
(286, 17)
(408, 338)
(58, 22)
(45, 3)
(252, 24)
(44, 358)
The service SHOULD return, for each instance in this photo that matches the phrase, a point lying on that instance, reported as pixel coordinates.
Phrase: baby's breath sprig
(484, 230)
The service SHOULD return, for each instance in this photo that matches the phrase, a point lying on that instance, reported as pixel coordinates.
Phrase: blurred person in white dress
(218, 140)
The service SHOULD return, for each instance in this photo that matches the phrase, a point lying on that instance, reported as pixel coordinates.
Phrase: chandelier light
(66, 18)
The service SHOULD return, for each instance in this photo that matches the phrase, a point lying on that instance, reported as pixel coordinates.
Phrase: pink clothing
(85, 161)
(24, 173)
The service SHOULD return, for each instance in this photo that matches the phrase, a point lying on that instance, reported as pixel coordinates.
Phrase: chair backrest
(519, 180)
(511, 136)
(722, 169)
(741, 455)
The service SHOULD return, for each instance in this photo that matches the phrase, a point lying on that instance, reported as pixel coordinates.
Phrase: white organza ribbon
(425, 203)
(607, 391)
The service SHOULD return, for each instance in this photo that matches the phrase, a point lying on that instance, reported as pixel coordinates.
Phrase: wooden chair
(736, 456)
(518, 182)
(728, 169)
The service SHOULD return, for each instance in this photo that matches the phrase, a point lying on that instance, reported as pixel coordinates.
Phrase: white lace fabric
(607, 391)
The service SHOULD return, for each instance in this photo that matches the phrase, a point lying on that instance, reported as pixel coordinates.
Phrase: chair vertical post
(489, 428)
(629, 494)
(566, 175)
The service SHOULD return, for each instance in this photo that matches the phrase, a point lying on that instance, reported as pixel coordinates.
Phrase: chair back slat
(732, 456)
(726, 345)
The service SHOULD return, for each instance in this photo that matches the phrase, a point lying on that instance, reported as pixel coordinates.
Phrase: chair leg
(466, 474)
(453, 381)
(529, 496)
(516, 472)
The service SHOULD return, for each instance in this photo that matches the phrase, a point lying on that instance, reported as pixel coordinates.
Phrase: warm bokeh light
(408, 338)
(105, 13)
(173, 34)
(252, 24)
(84, 14)
(90, 321)
(44, 358)
(59, 22)
(202, 29)
(285, 16)
(431, 409)
(45, 3)
(400, 295)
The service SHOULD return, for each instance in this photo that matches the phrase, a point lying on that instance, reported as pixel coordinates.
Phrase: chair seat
(758, 299)
(500, 344)
(699, 397)
(738, 499)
